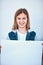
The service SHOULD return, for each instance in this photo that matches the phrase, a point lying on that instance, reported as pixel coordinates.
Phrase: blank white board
(21, 52)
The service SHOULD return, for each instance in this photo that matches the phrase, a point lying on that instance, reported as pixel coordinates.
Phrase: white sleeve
(36, 38)
(8, 38)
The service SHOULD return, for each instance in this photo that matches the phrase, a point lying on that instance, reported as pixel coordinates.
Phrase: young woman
(21, 26)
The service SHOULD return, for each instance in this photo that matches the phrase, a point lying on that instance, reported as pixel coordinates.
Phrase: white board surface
(21, 52)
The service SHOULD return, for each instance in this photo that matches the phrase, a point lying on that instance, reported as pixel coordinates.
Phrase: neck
(22, 30)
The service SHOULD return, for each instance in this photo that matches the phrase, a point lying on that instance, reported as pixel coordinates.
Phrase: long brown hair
(19, 11)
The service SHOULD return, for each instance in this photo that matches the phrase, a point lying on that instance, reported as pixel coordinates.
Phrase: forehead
(22, 14)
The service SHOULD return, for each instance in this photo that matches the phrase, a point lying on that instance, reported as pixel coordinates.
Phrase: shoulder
(12, 34)
(31, 34)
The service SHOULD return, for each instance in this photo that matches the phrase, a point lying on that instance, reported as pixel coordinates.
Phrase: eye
(19, 18)
(24, 18)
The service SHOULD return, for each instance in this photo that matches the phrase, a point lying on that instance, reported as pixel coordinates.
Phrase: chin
(22, 26)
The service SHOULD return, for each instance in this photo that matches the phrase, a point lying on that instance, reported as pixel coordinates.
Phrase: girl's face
(21, 20)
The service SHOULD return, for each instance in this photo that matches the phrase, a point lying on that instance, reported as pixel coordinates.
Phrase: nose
(21, 20)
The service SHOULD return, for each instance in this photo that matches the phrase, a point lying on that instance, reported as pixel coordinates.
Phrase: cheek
(26, 21)
(17, 21)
